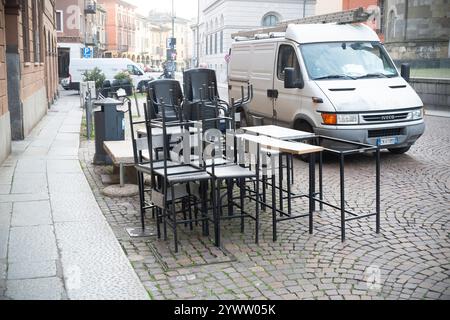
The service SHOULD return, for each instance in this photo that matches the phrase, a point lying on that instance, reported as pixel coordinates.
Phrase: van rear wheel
(399, 150)
(305, 127)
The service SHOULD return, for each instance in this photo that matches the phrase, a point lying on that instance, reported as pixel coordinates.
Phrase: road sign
(171, 43)
(87, 53)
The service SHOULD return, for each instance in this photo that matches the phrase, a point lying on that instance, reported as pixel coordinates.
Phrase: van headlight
(340, 119)
(347, 118)
(417, 114)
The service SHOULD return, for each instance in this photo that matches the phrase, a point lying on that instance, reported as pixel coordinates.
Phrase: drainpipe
(406, 19)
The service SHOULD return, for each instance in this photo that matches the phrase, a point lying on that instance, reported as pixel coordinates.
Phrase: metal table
(292, 148)
(352, 148)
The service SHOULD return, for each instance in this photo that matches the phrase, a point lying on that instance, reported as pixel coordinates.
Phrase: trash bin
(109, 126)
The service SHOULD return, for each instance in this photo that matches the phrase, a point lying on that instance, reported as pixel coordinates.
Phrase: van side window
(287, 58)
(133, 70)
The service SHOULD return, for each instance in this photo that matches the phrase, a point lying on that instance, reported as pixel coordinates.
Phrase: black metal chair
(200, 90)
(171, 184)
(169, 91)
(233, 173)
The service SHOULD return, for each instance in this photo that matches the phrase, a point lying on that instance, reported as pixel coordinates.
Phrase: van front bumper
(406, 134)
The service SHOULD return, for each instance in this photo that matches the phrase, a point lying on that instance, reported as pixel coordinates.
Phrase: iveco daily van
(332, 79)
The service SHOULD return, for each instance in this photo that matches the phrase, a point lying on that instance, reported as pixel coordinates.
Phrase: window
(270, 20)
(211, 44)
(59, 21)
(36, 31)
(133, 70)
(391, 25)
(206, 45)
(221, 41)
(287, 58)
(25, 31)
(215, 43)
(347, 61)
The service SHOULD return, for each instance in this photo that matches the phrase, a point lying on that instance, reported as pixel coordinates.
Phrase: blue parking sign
(87, 52)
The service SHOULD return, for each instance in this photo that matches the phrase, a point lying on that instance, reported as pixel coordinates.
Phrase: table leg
(342, 173)
(274, 208)
(121, 175)
(312, 190)
(378, 191)
(289, 179)
(280, 171)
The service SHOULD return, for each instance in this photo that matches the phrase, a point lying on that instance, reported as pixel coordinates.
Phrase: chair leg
(230, 197)
(189, 202)
(217, 204)
(205, 209)
(141, 199)
(257, 211)
(164, 218)
(158, 221)
(242, 203)
(174, 219)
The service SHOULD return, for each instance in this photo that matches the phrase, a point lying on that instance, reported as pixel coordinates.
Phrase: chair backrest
(141, 150)
(200, 84)
(168, 91)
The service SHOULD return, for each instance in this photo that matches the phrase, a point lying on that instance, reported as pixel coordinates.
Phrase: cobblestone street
(412, 253)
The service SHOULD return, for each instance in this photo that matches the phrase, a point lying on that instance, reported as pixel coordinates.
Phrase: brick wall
(3, 94)
(435, 93)
(40, 74)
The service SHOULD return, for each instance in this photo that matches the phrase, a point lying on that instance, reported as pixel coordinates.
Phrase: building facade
(181, 32)
(28, 67)
(411, 30)
(328, 6)
(80, 24)
(120, 28)
(219, 19)
(417, 29)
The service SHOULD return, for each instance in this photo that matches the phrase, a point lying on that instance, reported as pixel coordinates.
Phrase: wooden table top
(296, 148)
(170, 131)
(279, 132)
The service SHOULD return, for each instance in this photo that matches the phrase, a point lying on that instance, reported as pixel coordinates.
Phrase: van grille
(386, 117)
(385, 133)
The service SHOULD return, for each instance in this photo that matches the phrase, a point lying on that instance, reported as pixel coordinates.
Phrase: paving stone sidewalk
(410, 259)
(54, 240)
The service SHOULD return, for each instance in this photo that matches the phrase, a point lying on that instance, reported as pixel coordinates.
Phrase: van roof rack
(342, 17)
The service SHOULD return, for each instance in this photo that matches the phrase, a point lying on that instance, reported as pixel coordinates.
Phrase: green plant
(95, 75)
(123, 75)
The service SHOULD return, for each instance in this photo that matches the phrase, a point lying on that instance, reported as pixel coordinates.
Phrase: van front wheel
(399, 150)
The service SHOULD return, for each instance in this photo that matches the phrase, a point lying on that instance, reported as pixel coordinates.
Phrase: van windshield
(347, 60)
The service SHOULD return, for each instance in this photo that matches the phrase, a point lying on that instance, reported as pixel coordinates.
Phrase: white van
(110, 67)
(334, 80)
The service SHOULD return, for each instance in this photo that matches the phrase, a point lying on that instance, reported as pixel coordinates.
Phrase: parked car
(334, 80)
(110, 67)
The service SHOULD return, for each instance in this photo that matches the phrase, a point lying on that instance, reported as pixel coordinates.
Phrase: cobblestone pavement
(411, 255)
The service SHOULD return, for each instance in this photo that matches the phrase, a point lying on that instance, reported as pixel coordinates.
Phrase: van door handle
(273, 94)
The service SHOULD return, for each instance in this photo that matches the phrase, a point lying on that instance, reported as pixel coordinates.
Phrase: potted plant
(97, 76)
(124, 81)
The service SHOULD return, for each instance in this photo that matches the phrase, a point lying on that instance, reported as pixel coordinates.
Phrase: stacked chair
(183, 153)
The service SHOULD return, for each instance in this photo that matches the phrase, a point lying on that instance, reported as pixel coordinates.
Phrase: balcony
(123, 48)
(90, 7)
(91, 40)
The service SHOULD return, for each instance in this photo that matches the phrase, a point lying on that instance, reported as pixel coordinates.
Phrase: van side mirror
(406, 71)
(292, 80)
